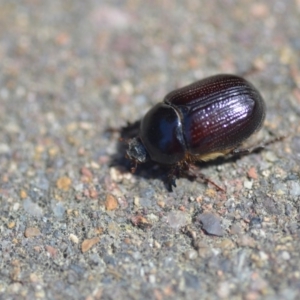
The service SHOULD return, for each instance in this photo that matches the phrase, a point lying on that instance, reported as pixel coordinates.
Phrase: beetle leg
(258, 148)
(176, 171)
(242, 151)
(194, 171)
(272, 141)
(172, 176)
(172, 182)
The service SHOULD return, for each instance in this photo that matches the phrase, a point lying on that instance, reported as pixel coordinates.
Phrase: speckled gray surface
(74, 222)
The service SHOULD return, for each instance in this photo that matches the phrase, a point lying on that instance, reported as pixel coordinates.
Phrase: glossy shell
(217, 113)
(201, 121)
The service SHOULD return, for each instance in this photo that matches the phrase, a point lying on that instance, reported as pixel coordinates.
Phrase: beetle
(199, 122)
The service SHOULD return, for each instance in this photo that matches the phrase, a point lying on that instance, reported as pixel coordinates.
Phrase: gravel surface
(74, 222)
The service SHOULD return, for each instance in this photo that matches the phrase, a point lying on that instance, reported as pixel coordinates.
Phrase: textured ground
(74, 222)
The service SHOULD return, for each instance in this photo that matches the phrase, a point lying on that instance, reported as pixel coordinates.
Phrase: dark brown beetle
(199, 122)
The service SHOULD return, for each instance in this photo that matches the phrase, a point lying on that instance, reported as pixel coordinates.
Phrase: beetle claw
(172, 176)
(172, 183)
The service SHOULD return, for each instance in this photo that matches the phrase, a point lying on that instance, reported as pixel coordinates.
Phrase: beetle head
(137, 152)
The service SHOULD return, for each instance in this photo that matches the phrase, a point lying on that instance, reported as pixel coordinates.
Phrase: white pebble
(248, 184)
(73, 238)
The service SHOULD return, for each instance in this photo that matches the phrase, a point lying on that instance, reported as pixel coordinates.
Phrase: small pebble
(89, 243)
(252, 173)
(255, 222)
(116, 175)
(51, 250)
(259, 10)
(113, 229)
(73, 238)
(263, 255)
(210, 193)
(191, 280)
(32, 232)
(86, 173)
(295, 188)
(248, 184)
(111, 203)
(227, 244)
(246, 241)
(152, 278)
(285, 255)
(32, 208)
(211, 224)
(191, 254)
(33, 278)
(153, 218)
(266, 173)
(280, 188)
(156, 244)
(296, 145)
(235, 229)
(58, 210)
(223, 290)
(23, 194)
(16, 206)
(4, 148)
(140, 221)
(270, 156)
(78, 187)
(11, 225)
(63, 183)
(177, 219)
(136, 201)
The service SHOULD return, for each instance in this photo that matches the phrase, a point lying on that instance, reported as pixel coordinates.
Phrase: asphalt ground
(75, 223)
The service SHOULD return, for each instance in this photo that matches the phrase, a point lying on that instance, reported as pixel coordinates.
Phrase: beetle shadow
(152, 170)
